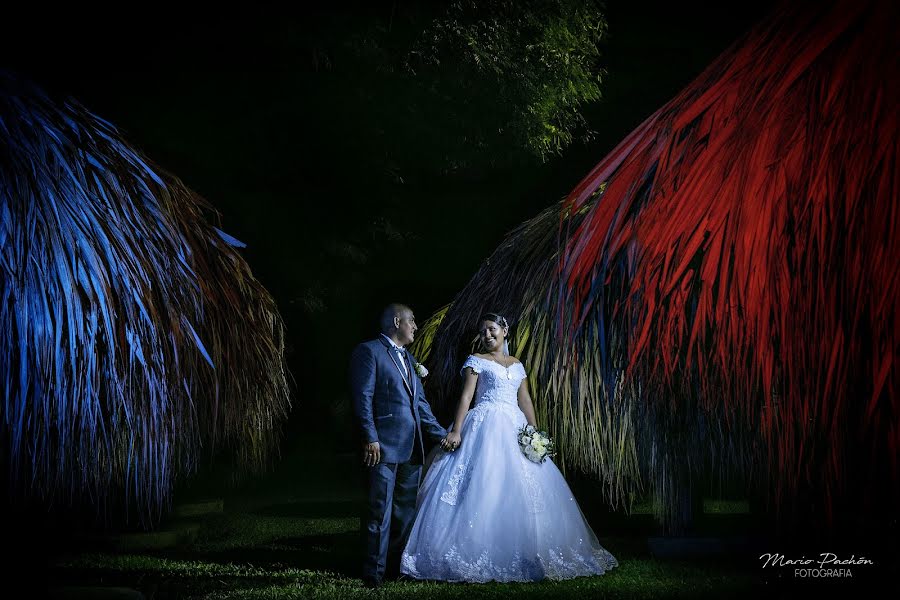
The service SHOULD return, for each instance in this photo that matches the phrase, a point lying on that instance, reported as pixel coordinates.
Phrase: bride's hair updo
(499, 320)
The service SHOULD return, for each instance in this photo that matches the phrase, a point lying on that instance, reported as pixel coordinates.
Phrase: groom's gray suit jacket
(389, 405)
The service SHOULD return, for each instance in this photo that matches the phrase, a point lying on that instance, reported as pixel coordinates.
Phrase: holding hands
(451, 442)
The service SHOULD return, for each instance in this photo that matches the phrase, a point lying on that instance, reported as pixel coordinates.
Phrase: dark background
(280, 122)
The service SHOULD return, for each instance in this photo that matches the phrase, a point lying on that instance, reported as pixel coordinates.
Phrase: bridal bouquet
(536, 445)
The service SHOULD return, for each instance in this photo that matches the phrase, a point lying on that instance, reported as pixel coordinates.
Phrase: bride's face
(491, 335)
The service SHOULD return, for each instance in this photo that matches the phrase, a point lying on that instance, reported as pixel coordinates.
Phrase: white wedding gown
(487, 513)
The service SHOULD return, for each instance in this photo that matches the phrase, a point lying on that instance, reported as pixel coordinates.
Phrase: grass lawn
(294, 534)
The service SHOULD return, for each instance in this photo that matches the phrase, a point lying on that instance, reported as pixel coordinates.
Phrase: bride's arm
(525, 403)
(465, 401)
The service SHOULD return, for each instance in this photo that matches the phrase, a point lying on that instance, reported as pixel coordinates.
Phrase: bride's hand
(451, 442)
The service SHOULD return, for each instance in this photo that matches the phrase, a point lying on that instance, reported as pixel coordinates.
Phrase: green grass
(710, 506)
(242, 531)
(281, 539)
(634, 578)
(726, 507)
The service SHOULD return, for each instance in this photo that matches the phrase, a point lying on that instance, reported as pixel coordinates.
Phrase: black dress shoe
(368, 582)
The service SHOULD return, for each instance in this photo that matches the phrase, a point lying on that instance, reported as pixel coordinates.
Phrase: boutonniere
(421, 370)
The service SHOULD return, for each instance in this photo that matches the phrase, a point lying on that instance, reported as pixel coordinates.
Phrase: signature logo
(828, 564)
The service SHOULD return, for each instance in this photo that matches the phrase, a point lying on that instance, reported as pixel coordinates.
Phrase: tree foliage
(514, 74)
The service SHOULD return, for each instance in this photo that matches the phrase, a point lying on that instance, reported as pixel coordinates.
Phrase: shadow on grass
(337, 553)
(311, 509)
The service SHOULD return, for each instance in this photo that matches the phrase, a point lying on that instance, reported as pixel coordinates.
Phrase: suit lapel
(408, 381)
(412, 379)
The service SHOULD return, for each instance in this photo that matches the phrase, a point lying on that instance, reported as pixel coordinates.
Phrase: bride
(485, 512)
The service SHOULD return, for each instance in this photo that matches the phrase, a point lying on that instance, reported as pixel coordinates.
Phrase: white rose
(421, 370)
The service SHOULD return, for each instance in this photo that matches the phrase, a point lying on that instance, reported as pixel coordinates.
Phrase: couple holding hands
(484, 511)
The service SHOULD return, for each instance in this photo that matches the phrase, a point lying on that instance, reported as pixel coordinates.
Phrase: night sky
(309, 159)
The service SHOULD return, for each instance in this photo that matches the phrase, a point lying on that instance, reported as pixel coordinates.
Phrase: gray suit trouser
(391, 508)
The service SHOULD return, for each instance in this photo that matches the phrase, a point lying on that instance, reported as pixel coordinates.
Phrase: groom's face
(406, 326)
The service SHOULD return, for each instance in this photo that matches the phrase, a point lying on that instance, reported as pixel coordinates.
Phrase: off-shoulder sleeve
(472, 362)
(521, 369)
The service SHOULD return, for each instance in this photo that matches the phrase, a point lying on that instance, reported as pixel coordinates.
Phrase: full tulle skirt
(487, 513)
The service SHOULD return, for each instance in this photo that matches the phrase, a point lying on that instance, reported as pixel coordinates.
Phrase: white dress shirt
(398, 354)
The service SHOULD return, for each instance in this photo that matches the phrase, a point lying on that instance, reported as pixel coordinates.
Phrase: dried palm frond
(722, 292)
(134, 336)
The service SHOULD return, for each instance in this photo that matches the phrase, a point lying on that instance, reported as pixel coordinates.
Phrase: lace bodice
(496, 383)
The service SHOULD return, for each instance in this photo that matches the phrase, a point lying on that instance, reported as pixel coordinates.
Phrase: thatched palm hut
(718, 297)
(133, 337)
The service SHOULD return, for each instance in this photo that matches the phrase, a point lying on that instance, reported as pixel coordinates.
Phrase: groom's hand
(371, 454)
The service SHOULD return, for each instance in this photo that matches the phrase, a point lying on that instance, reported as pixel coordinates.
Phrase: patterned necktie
(401, 353)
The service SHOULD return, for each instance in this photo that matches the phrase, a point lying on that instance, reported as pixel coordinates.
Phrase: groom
(391, 414)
